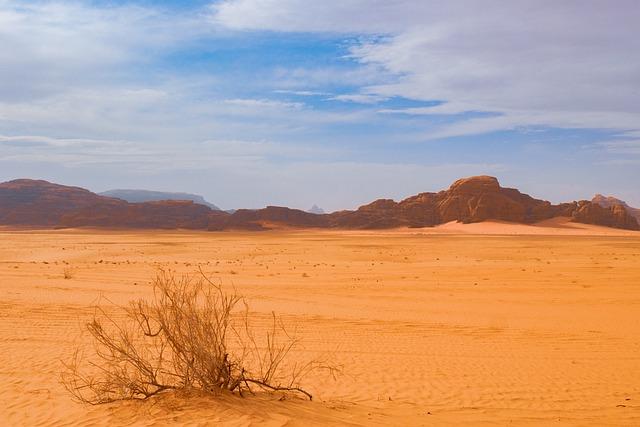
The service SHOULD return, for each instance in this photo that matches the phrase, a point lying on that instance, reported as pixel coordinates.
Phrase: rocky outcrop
(40, 203)
(613, 216)
(168, 214)
(475, 199)
(609, 201)
(271, 216)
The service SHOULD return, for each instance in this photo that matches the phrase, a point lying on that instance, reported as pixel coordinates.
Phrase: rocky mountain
(270, 217)
(40, 203)
(608, 201)
(141, 196)
(475, 199)
(467, 200)
(167, 214)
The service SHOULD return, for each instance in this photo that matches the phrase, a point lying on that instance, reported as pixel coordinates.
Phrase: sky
(336, 103)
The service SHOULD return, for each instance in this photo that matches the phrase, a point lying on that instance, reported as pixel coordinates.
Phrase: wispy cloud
(263, 104)
(301, 92)
(550, 63)
(46, 141)
(628, 146)
(359, 98)
(50, 47)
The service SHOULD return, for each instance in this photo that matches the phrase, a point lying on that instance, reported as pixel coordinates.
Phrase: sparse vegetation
(192, 334)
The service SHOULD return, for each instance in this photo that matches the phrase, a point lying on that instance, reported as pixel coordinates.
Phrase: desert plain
(480, 324)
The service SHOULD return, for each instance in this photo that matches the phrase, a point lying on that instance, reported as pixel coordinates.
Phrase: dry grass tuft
(191, 334)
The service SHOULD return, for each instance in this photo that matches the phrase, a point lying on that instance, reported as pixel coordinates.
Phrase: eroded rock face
(613, 216)
(260, 219)
(40, 203)
(168, 214)
(31, 202)
(610, 201)
(478, 199)
(475, 199)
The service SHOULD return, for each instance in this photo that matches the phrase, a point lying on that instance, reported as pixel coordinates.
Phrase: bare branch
(190, 334)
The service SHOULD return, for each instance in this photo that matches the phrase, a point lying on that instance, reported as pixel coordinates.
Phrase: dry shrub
(191, 334)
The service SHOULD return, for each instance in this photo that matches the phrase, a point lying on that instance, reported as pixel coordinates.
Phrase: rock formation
(40, 203)
(271, 216)
(475, 199)
(608, 201)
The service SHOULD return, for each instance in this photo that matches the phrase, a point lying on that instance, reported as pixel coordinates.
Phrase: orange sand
(485, 324)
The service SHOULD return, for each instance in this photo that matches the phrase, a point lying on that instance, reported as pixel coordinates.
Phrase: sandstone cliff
(475, 199)
(607, 202)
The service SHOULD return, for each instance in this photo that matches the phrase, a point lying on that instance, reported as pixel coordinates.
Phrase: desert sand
(485, 324)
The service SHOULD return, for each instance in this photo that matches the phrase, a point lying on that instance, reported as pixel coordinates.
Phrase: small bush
(191, 334)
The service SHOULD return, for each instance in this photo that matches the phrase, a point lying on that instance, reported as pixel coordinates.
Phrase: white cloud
(85, 71)
(49, 47)
(38, 140)
(629, 146)
(359, 98)
(536, 62)
(443, 108)
(261, 104)
(347, 16)
(515, 119)
(301, 92)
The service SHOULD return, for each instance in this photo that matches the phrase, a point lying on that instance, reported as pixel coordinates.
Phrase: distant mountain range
(141, 196)
(42, 204)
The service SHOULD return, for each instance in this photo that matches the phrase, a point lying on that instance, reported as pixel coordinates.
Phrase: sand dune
(482, 324)
(554, 226)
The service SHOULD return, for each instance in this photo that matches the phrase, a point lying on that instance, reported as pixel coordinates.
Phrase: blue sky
(290, 102)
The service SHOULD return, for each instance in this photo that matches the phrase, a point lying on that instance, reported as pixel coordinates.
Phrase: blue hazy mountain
(140, 196)
(315, 209)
